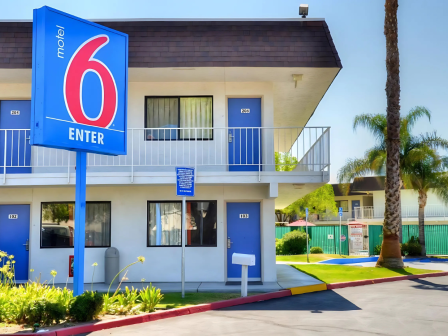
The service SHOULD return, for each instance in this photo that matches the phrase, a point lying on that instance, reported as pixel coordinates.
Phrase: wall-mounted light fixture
(297, 78)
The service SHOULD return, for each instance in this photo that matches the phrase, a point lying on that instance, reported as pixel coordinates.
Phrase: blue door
(355, 204)
(14, 236)
(244, 118)
(15, 116)
(243, 236)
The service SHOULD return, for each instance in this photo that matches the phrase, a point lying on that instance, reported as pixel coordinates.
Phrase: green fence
(436, 237)
(326, 237)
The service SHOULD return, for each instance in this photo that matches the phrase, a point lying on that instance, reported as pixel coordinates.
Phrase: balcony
(218, 151)
(408, 212)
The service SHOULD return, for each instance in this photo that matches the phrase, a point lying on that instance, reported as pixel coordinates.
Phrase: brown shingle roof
(158, 44)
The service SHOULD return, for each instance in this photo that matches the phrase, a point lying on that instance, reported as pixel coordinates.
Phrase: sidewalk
(287, 277)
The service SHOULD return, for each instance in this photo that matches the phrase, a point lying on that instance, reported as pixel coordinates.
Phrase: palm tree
(414, 152)
(422, 175)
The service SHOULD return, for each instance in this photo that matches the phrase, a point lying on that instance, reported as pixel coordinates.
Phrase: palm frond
(440, 187)
(413, 115)
(433, 140)
(354, 168)
(375, 123)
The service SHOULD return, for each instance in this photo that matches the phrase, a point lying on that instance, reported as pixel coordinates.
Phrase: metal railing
(408, 212)
(160, 149)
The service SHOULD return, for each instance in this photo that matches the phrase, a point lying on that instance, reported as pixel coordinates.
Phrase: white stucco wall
(161, 153)
(129, 232)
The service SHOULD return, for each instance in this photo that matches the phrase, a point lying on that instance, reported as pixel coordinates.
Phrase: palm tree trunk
(422, 198)
(390, 251)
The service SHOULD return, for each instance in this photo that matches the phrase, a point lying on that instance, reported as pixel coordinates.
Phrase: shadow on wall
(317, 302)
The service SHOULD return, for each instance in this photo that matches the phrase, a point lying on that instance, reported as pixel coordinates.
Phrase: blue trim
(80, 223)
(349, 261)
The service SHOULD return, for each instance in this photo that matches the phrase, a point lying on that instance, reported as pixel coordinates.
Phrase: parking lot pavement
(411, 307)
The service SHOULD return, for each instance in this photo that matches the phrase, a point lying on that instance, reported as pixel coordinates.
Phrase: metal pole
(80, 225)
(340, 234)
(307, 240)
(184, 215)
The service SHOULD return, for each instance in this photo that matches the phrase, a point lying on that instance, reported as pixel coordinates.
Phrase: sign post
(184, 188)
(340, 230)
(70, 108)
(306, 225)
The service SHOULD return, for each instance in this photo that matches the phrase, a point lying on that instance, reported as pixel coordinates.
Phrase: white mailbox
(243, 259)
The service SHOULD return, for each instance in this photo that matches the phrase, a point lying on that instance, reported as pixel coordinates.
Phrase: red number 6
(82, 62)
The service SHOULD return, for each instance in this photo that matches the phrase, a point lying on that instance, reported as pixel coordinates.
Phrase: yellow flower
(8, 262)
(3, 254)
(53, 273)
(143, 280)
(13, 261)
(11, 257)
(124, 279)
(95, 264)
(141, 259)
(31, 270)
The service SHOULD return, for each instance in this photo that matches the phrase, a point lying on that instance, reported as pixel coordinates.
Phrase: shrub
(412, 247)
(294, 242)
(44, 312)
(377, 250)
(150, 297)
(278, 246)
(316, 250)
(86, 307)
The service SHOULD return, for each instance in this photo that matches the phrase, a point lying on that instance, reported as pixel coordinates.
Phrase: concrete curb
(381, 280)
(141, 318)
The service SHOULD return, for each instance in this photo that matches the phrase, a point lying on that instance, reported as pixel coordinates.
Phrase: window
(165, 221)
(179, 118)
(343, 204)
(58, 224)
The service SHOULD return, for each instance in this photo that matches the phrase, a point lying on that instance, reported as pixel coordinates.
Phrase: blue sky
(357, 30)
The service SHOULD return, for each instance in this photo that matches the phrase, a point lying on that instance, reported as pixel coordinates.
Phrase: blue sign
(340, 212)
(306, 211)
(184, 181)
(79, 84)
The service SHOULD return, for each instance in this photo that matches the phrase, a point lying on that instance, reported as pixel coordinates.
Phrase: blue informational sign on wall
(340, 212)
(79, 91)
(184, 181)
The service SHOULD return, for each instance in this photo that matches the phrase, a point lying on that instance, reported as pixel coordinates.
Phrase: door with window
(244, 122)
(355, 204)
(243, 236)
(15, 116)
(14, 236)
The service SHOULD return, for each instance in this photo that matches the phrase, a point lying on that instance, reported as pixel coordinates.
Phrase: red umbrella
(300, 222)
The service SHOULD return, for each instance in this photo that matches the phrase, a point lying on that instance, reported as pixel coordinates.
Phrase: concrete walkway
(287, 277)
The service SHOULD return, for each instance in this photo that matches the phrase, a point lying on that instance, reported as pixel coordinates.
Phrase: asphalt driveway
(414, 307)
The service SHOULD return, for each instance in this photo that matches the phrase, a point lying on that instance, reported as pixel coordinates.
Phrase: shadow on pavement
(428, 285)
(317, 302)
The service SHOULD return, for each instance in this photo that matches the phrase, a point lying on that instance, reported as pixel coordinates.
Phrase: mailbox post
(244, 260)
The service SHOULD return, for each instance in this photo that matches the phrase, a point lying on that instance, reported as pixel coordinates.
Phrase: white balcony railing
(305, 149)
(408, 212)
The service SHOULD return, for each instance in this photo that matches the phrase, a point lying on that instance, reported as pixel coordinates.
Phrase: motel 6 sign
(79, 95)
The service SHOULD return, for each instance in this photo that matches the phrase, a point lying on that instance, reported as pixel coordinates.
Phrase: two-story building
(363, 200)
(227, 97)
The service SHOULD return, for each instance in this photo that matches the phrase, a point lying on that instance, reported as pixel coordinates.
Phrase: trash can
(112, 257)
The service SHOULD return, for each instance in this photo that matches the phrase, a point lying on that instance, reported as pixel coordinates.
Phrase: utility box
(243, 259)
(112, 263)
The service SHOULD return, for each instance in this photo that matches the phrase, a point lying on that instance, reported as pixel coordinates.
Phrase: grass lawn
(174, 300)
(314, 257)
(340, 273)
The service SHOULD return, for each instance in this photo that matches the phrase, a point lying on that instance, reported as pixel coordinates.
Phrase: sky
(357, 30)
